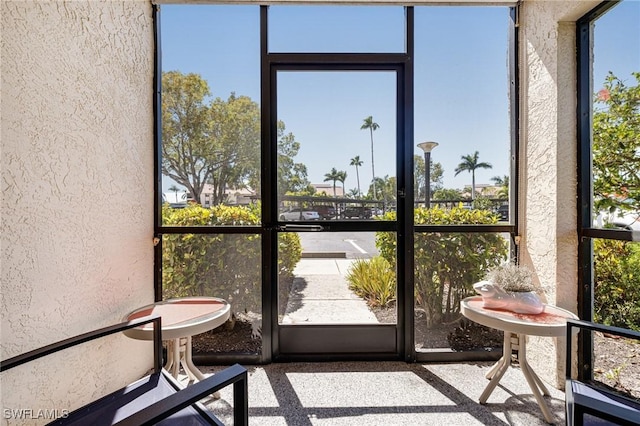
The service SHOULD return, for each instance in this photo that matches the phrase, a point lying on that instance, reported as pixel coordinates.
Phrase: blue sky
(460, 77)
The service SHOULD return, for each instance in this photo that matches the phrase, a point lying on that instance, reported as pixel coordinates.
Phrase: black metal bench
(155, 399)
(587, 403)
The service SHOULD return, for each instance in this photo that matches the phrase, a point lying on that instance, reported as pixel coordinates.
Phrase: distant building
(233, 197)
(483, 189)
(328, 189)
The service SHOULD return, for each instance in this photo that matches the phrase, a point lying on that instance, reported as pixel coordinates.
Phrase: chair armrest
(236, 375)
(92, 335)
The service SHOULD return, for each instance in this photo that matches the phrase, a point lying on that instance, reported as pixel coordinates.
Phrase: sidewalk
(320, 295)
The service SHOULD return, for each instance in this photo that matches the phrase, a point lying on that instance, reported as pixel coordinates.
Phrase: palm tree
(175, 189)
(334, 176)
(372, 126)
(355, 161)
(470, 164)
(342, 176)
(503, 183)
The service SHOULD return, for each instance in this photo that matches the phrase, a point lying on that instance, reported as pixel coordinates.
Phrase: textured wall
(549, 162)
(77, 190)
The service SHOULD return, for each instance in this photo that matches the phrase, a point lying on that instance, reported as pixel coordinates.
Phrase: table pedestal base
(517, 342)
(179, 352)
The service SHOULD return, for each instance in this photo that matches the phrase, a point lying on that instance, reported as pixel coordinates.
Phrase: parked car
(356, 212)
(299, 214)
(629, 220)
(503, 212)
(325, 212)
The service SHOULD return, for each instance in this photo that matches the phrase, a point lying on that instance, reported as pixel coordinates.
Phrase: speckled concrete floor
(385, 393)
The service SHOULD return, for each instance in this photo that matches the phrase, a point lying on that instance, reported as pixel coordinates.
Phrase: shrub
(447, 264)
(617, 283)
(220, 265)
(374, 280)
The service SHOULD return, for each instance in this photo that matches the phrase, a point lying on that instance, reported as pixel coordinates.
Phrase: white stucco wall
(77, 193)
(548, 181)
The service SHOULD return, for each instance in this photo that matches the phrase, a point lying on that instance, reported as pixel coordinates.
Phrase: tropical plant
(355, 161)
(374, 280)
(503, 183)
(372, 126)
(470, 164)
(332, 176)
(175, 190)
(342, 176)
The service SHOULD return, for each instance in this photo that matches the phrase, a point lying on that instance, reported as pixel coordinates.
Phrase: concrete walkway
(320, 295)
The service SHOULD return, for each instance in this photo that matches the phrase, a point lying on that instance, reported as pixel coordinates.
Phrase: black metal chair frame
(583, 397)
(179, 398)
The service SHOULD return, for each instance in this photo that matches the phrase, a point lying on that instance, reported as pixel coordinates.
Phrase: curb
(324, 255)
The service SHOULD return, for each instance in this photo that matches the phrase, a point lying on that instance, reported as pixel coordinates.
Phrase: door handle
(302, 228)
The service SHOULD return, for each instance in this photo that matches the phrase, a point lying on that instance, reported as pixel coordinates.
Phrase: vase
(495, 297)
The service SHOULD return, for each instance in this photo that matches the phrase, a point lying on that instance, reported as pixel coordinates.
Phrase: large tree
(469, 164)
(616, 144)
(186, 146)
(206, 141)
(292, 176)
(372, 126)
(217, 141)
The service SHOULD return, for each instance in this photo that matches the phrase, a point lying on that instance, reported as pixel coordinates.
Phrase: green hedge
(220, 265)
(617, 283)
(447, 264)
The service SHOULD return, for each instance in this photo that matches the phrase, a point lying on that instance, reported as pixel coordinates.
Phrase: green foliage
(616, 145)
(215, 142)
(470, 164)
(482, 203)
(447, 264)
(617, 283)
(447, 194)
(220, 265)
(292, 176)
(374, 280)
(385, 189)
(435, 175)
(503, 183)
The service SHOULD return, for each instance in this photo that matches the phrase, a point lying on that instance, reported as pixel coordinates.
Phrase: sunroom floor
(389, 393)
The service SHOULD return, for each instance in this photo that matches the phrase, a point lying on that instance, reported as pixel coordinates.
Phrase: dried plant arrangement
(510, 287)
(512, 278)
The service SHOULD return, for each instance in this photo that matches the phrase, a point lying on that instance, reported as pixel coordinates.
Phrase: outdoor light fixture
(427, 147)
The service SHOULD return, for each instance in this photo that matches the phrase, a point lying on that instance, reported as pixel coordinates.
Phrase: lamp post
(427, 147)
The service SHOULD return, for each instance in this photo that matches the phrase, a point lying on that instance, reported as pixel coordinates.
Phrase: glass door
(336, 198)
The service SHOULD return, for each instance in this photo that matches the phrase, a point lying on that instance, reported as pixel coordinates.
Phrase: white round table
(181, 319)
(551, 322)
